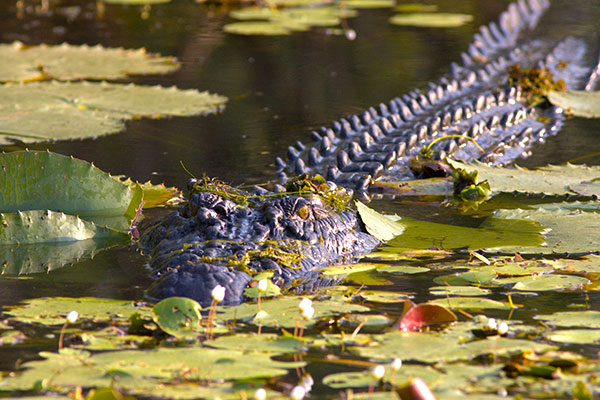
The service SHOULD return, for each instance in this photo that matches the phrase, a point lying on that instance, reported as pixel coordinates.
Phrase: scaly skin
(201, 244)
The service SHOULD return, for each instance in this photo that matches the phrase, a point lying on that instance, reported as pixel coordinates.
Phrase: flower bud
(298, 392)
(218, 293)
(72, 317)
(304, 304)
(262, 286)
(378, 372)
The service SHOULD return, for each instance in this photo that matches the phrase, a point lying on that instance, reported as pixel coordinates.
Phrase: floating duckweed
(535, 83)
(218, 187)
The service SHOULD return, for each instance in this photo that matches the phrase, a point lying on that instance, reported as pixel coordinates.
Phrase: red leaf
(423, 315)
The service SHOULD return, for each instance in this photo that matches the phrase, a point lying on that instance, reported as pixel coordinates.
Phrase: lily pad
(267, 343)
(349, 268)
(364, 378)
(548, 180)
(471, 303)
(433, 348)
(53, 310)
(19, 62)
(493, 232)
(579, 103)
(378, 225)
(178, 316)
(381, 296)
(271, 291)
(544, 282)
(466, 278)
(402, 269)
(415, 7)
(25, 259)
(569, 232)
(252, 28)
(49, 181)
(137, 2)
(143, 371)
(458, 291)
(273, 21)
(155, 195)
(431, 20)
(582, 319)
(37, 226)
(43, 111)
(578, 336)
(588, 265)
(369, 3)
(111, 338)
(284, 312)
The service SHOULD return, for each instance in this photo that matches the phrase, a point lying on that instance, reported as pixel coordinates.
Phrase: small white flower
(492, 324)
(304, 304)
(298, 392)
(72, 317)
(260, 394)
(218, 293)
(350, 34)
(502, 328)
(262, 286)
(307, 382)
(378, 372)
(308, 313)
(396, 364)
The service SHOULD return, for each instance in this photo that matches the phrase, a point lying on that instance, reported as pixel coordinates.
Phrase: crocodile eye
(303, 212)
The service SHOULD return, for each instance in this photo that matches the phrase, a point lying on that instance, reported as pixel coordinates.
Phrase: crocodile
(224, 236)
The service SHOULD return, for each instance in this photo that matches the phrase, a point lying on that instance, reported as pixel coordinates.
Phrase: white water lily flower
(218, 293)
(72, 317)
(396, 364)
(304, 304)
(492, 323)
(378, 372)
(260, 394)
(308, 313)
(262, 285)
(298, 392)
(502, 328)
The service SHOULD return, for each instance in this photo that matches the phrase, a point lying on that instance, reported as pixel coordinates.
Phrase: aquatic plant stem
(211, 316)
(61, 338)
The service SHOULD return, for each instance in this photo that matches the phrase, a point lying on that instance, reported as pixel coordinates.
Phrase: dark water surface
(279, 89)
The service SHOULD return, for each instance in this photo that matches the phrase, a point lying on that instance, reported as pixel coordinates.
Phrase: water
(279, 88)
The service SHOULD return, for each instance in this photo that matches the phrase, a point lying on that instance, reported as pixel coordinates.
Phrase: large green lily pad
(178, 316)
(579, 336)
(550, 282)
(378, 225)
(548, 180)
(569, 231)
(42, 226)
(582, 319)
(267, 343)
(44, 111)
(19, 62)
(432, 348)
(272, 21)
(472, 303)
(141, 371)
(579, 103)
(494, 232)
(52, 310)
(431, 20)
(33, 180)
(283, 312)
